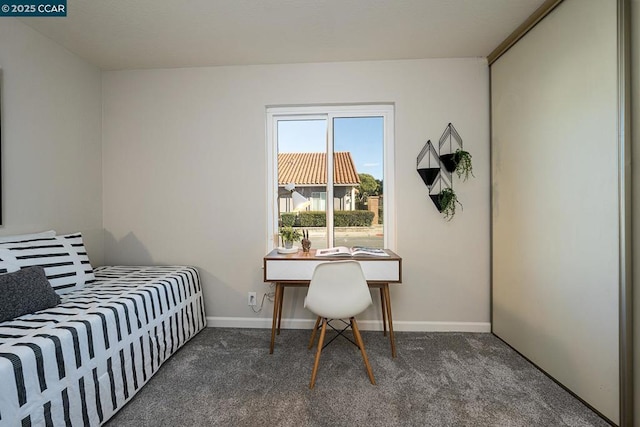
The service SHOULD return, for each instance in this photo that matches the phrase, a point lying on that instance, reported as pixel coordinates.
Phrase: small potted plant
(446, 203)
(289, 235)
(460, 162)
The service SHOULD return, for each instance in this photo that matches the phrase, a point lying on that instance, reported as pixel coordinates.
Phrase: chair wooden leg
(313, 334)
(317, 361)
(384, 312)
(356, 334)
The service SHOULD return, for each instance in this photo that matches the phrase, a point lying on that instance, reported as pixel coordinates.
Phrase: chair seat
(342, 309)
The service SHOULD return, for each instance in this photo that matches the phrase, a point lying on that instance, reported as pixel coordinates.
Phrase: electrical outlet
(252, 299)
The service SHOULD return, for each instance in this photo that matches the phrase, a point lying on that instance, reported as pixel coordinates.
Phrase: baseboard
(366, 325)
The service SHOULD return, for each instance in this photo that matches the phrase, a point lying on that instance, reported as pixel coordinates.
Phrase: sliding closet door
(555, 199)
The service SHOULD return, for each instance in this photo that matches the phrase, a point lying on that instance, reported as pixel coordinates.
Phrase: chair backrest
(338, 290)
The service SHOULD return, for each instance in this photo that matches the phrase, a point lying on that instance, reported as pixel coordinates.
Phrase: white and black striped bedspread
(76, 364)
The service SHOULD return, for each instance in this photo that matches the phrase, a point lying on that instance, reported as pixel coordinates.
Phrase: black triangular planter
(435, 198)
(448, 162)
(429, 175)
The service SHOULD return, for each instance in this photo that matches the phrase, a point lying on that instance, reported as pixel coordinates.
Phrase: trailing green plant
(448, 200)
(290, 234)
(462, 159)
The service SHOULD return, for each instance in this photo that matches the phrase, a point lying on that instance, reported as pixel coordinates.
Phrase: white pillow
(20, 237)
(64, 259)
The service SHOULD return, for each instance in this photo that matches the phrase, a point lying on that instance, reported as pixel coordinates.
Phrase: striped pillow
(63, 258)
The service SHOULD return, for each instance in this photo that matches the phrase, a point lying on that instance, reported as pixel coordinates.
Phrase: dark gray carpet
(226, 377)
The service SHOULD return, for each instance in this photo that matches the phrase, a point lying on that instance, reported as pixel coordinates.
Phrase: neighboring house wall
(51, 138)
(343, 198)
(185, 178)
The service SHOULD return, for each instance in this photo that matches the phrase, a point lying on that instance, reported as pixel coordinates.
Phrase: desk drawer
(301, 270)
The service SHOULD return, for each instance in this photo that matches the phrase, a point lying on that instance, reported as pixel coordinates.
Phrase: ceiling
(132, 34)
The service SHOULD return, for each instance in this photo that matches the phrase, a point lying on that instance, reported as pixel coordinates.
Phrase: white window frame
(276, 113)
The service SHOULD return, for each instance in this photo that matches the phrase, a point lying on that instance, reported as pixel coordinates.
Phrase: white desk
(296, 270)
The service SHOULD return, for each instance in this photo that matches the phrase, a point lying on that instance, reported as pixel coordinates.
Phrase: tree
(368, 186)
(380, 187)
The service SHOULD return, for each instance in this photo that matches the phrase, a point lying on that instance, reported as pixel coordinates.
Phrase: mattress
(76, 364)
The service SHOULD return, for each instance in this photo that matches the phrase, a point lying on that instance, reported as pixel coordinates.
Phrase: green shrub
(313, 219)
(360, 218)
(288, 219)
(352, 218)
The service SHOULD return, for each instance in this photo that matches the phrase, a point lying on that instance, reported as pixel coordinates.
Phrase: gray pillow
(25, 291)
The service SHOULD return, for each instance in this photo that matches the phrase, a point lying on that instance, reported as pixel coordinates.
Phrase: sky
(362, 136)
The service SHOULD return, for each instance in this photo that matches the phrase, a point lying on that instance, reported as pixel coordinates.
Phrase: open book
(354, 251)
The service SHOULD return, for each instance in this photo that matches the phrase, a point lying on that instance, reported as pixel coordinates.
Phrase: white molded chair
(338, 290)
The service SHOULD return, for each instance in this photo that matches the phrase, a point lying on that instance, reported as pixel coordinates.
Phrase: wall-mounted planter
(435, 198)
(428, 164)
(429, 175)
(449, 162)
(441, 184)
(459, 162)
(447, 200)
(436, 169)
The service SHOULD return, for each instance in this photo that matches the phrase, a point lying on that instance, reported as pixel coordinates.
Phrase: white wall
(183, 148)
(555, 195)
(51, 138)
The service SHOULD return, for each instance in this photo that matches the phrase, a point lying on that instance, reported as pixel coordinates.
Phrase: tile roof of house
(311, 169)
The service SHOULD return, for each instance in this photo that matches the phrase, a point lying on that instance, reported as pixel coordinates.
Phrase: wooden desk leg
(313, 334)
(384, 312)
(280, 307)
(276, 308)
(387, 296)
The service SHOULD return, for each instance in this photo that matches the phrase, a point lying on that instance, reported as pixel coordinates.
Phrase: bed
(79, 362)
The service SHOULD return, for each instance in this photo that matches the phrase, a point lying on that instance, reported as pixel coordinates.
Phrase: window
(319, 201)
(341, 159)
